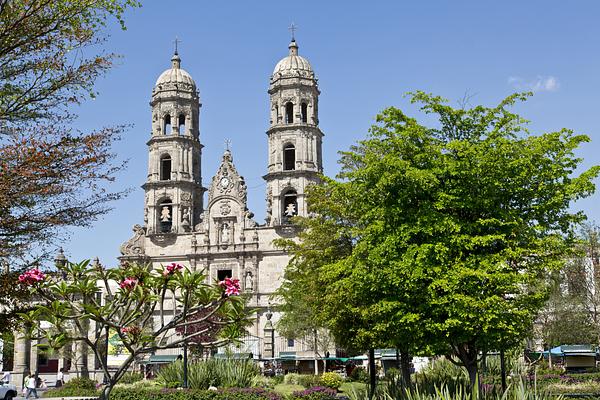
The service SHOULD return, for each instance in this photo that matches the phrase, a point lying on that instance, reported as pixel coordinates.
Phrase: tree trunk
(467, 354)
(405, 368)
(316, 357)
(105, 395)
(372, 374)
(503, 370)
(472, 370)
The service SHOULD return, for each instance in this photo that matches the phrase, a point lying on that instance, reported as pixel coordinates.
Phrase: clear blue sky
(366, 55)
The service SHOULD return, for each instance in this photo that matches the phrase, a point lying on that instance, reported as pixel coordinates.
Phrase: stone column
(21, 356)
(33, 355)
(269, 343)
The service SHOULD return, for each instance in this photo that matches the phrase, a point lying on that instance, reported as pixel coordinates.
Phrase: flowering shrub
(232, 286)
(172, 269)
(128, 283)
(315, 393)
(32, 277)
(332, 380)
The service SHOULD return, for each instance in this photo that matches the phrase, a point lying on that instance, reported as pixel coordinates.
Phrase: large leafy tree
(452, 228)
(51, 176)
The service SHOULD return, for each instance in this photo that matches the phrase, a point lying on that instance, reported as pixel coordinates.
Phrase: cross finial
(227, 144)
(176, 41)
(293, 28)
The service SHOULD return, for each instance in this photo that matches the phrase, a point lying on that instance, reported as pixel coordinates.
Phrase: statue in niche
(269, 207)
(290, 211)
(225, 234)
(249, 281)
(186, 215)
(165, 214)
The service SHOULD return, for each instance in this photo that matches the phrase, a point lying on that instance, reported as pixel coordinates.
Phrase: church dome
(293, 65)
(176, 74)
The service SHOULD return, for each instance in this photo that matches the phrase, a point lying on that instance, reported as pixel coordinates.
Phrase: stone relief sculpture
(135, 245)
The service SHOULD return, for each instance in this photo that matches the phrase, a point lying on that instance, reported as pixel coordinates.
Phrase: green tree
(144, 306)
(452, 229)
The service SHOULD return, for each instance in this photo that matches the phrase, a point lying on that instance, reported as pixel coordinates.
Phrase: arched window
(289, 157)
(165, 215)
(304, 110)
(167, 125)
(289, 113)
(181, 124)
(290, 206)
(165, 168)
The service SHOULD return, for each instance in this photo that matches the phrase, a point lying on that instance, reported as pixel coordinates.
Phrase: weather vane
(227, 144)
(293, 28)
(176, 41)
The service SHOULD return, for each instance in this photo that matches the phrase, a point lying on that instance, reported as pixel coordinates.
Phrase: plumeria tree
(146, 307)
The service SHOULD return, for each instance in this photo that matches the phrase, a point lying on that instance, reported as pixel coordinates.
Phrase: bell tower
(294, 137)
(173, 188)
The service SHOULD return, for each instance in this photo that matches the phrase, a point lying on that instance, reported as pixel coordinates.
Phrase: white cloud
(539, 84)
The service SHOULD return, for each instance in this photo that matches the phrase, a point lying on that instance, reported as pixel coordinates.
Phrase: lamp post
(185, 358)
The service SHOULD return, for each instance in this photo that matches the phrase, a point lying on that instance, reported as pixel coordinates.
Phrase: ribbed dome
(175, 74)
(293, 64)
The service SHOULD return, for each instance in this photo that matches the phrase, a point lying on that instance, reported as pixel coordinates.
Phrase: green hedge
(192, 394)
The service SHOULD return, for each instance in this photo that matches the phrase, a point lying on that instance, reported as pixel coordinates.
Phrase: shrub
(212, 372)
(331, 380)
(315, 393)
(192, 394)
(309, 380)
(70, 392)
(80, 383)
(359, 374)
(264, 382)
(130, 377)
(291, 379)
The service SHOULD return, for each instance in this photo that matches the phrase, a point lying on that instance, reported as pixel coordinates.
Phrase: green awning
(236, 356)
(287, 355)
(161, 359)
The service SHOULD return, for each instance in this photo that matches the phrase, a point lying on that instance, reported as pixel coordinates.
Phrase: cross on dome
(293, 28)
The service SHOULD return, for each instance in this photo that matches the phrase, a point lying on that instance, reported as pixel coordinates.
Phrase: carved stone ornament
(186, 198)
(224, 207)
(135, 245)
(228, 183)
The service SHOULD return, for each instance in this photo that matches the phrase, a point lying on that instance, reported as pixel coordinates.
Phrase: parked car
(7, 391)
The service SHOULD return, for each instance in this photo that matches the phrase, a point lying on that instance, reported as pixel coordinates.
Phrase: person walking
(60, 378)
(31, 385)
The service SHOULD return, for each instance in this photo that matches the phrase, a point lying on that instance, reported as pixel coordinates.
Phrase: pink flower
(172, 269)
(32, 277)
(128, 283)
(131, 330)
(232, 286)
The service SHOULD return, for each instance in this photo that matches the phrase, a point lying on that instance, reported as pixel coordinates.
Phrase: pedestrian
(31, 384)
(6, 377)
(60, 378)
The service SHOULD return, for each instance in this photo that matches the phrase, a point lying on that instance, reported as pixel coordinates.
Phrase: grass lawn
(349, 387)
(286, 389)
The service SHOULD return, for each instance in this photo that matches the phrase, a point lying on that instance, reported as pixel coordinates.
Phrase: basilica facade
(210, 228)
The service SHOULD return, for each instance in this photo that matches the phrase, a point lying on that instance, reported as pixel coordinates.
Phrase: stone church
(220, 235)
